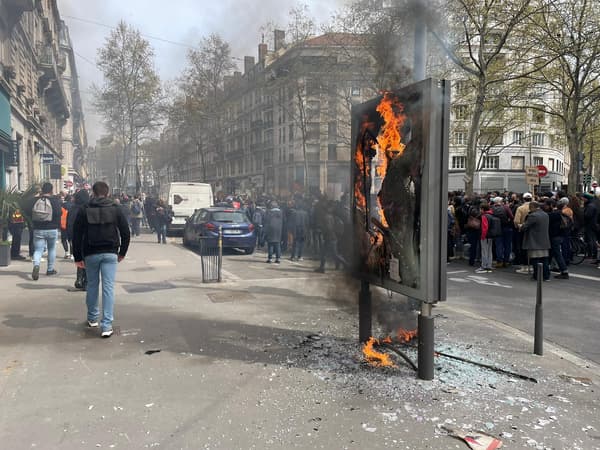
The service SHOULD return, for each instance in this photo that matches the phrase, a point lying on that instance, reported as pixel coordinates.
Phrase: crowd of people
(504, 229)
(299, 224)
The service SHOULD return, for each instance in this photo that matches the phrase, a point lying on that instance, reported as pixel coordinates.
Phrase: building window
(551, 164)
(518, 137)
(460, 138)
(517, 163)
(538, 161)
(537, 139)
(459, 162)
(332, 152)
(539, 116)
(332, 131)
(461, 112)
(491, 162)
(461, 87)
(355, 91)
(490, 137)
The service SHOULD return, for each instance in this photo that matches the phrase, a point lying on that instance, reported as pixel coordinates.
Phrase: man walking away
(100, 241)
(558, 228)
(80, 200)
(520, 215)
(273, 228)
(137, 213)
(45, 213)
(300, 230)
(536, 238)
(503, 242)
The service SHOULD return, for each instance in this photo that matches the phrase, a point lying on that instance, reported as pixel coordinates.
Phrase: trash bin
(211, 255)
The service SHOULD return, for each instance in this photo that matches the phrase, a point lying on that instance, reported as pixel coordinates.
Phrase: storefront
(5, 141)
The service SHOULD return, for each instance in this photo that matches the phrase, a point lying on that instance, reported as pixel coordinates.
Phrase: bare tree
(485, 35)
(130, 97)
(567, 34)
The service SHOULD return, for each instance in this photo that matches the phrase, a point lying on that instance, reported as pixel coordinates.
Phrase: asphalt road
(571, 307)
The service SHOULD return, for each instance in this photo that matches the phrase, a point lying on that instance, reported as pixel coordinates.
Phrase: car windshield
(229, 217)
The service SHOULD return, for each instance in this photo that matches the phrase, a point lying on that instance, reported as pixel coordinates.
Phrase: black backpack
(500, 212)
(566, 223)
(494, 226)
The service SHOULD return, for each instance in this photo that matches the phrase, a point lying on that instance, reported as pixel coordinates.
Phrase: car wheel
(186, 243)
(249, 251)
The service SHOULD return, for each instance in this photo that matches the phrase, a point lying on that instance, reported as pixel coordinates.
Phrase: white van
(184, 198)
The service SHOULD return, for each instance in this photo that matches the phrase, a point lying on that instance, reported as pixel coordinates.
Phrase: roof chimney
(262, 52)
(279, 36)
(248, 64)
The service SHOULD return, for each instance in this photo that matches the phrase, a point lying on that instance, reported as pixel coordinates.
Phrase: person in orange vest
(64, 234)
(16, 227)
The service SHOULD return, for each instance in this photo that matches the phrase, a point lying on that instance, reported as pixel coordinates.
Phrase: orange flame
(388, 145)
(405, 335)
(374, 357)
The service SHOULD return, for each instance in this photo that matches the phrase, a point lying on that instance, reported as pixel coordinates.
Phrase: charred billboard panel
(399, 176)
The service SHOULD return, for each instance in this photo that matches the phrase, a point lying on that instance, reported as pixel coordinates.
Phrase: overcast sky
(181, 21)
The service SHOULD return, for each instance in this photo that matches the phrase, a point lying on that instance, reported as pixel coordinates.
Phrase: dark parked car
(238, 231)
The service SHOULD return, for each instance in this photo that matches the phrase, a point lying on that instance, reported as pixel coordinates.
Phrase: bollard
(538, 336)
(364, 312)
(425, 346)
(220, 249)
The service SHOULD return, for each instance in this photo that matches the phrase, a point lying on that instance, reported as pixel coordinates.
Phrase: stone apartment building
(43, 130)
(283, 124)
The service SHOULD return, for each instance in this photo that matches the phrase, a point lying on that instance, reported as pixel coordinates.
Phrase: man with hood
(80, 200)
(273, 227)
(100, 240)
(536, 239)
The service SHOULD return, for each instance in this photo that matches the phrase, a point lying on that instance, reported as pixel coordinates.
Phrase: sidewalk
(266, 362)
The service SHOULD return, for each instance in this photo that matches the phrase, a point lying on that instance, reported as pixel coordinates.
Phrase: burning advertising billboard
(399, 176)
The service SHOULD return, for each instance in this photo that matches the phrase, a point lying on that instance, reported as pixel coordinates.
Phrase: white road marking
(479, 280)
(584, 277)
(230, 275)
(459, 280)
(456, 271)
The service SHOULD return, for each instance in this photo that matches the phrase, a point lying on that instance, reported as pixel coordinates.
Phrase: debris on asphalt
(584, 381)
(477, 440)
(151, 352)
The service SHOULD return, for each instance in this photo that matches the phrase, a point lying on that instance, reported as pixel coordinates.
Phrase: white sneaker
(524, 270)
(107, 333)
(93, 324)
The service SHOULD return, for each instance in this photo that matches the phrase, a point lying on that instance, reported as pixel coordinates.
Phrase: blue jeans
(546, 267)
(105, 265)
(274, 248)
(504, 245)
(41, 239)
(161, 232)
(298, 247)
(556, 253)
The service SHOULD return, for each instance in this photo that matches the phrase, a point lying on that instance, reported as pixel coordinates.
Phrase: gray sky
(183, 21)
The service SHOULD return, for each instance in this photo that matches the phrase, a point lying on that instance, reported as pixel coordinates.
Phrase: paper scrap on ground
(476, 440)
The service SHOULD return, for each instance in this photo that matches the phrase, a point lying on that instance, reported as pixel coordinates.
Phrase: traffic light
(580, 161)
(587, 178)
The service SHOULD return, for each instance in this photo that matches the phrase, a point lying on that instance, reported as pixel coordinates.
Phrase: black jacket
(80, 200)
(100, 227)
(54, 224)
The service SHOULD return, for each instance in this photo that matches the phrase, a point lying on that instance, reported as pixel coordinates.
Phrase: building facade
(38, 80)
(283, 125)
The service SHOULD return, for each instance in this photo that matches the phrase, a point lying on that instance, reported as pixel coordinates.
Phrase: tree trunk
(573, 144)
(472, 140)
